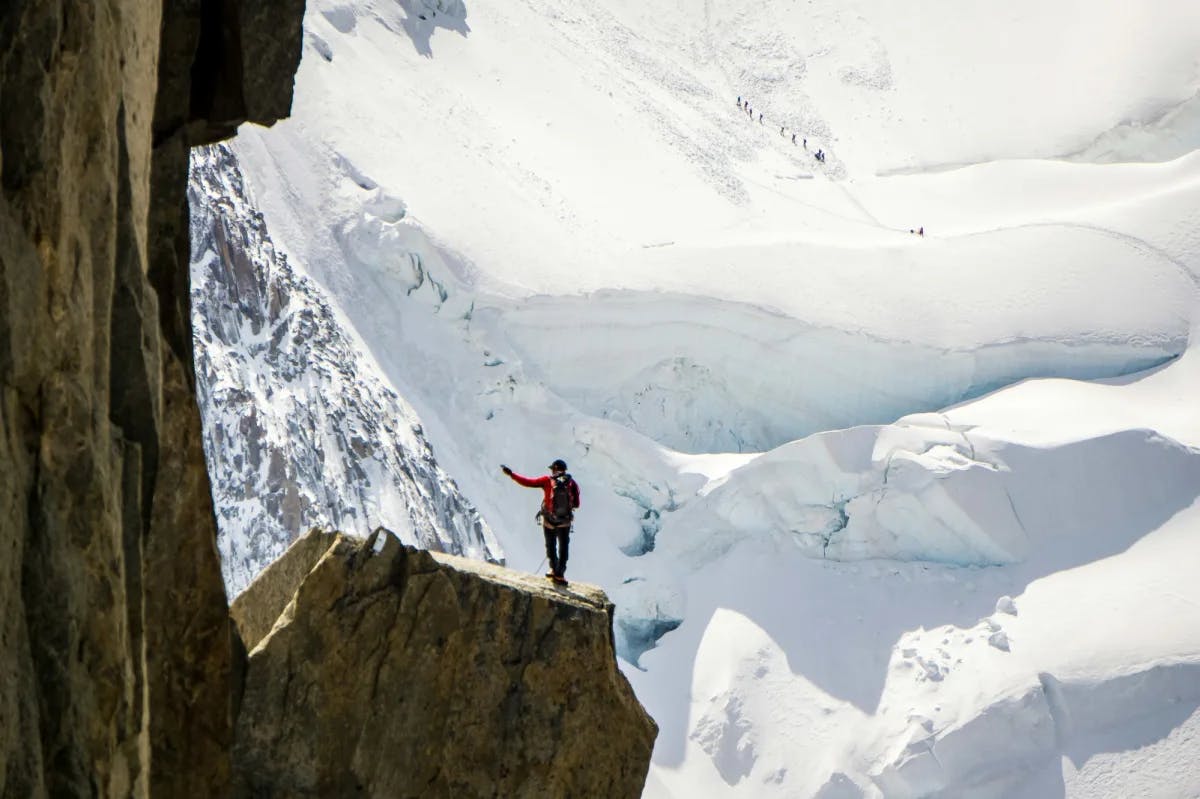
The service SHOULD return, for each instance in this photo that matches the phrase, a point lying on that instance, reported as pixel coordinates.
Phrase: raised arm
(528, 482)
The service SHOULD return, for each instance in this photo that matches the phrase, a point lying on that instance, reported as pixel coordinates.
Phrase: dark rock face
(115, 645)
(378, 670)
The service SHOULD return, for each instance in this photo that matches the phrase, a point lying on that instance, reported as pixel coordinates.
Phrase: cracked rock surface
(115, 641)
(379, 670)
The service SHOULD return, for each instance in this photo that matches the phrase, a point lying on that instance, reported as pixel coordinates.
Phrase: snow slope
(903, 664)
(554, 232)
(299, 428)
(610, 164)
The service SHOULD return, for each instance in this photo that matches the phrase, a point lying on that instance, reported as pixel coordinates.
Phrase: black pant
(561, 535)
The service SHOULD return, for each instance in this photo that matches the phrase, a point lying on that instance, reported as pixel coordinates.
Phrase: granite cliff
(115, 644)
(379, 670)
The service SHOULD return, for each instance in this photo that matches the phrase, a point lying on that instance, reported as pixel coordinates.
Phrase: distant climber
(793, 138)
(805, 142)
(560, 498)
(921, 230)
(739, 101)
(760, 117)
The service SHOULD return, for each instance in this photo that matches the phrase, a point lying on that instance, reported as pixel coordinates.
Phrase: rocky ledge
(375, 669)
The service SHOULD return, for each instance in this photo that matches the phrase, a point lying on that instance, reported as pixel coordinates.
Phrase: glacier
(884, 515)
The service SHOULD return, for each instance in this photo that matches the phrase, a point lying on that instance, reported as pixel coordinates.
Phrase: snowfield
(884, 514)
(900, 661)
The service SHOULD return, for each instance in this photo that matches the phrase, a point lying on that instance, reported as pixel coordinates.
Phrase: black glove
(506, 470)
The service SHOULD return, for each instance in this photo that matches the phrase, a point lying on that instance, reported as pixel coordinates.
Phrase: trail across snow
(850, 557)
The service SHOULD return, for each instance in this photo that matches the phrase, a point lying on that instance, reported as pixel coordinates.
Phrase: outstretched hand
(506, 470)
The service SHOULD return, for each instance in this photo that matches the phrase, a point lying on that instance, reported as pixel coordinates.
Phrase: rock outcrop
(378, 670)
(115, 644)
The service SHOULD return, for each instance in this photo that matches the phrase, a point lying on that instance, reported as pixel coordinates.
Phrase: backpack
(561, 511)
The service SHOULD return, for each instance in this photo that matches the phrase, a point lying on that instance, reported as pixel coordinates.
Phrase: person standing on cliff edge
(560, 498)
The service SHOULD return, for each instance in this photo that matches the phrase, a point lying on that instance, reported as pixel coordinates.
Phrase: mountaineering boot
(558, 578)
(550, 575)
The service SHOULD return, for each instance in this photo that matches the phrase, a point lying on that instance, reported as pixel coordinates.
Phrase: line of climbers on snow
(745, 106)
(819, 154)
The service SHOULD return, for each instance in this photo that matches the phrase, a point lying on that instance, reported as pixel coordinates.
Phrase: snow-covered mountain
(300, 430)
(884, 514)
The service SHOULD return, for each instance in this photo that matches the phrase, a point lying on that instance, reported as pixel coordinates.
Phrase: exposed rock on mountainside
(379, 670)
(114, 634)
(300, 427)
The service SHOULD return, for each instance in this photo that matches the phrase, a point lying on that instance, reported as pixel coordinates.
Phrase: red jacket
(546, 483)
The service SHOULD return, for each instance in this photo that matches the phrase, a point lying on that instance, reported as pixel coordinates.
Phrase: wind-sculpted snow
(1039, 642)
(1013, 746)
(924, 489)
(300, 429)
